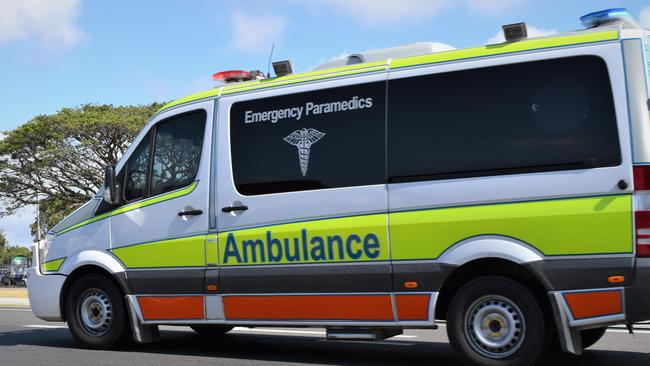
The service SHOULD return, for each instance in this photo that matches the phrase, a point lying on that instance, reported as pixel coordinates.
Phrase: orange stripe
(597, 303)
(303, 307)
(412, 307)
(171, 307)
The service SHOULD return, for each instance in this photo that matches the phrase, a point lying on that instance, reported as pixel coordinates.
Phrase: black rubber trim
(429, 276)
(172, 281)
(306, 279)
(583, 273)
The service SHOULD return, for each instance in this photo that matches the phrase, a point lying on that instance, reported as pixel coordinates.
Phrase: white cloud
(256, 33)
(532, 32)
(51, 23)
(381, 12)
(645, 16)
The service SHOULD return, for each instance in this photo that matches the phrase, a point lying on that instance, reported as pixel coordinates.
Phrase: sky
(63, 53)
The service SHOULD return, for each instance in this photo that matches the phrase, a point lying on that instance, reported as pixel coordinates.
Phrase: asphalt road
(25, 340)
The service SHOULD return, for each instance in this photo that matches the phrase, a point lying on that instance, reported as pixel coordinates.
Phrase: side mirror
(110, 193)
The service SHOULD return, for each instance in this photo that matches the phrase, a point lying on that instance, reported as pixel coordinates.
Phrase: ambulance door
(159, 232)
(301, 204)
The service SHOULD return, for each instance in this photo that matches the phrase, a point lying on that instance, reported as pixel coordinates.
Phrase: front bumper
(44, 294)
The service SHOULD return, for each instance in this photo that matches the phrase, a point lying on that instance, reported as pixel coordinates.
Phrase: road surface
(25, 340)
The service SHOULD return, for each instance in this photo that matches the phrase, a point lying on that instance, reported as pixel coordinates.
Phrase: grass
(20, 292)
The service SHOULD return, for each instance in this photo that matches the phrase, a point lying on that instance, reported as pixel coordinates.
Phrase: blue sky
(56, 54)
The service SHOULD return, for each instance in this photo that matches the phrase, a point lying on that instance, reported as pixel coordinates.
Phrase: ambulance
(503, 190)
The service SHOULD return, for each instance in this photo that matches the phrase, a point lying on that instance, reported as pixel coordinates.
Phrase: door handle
(191, 213)
(228, 209)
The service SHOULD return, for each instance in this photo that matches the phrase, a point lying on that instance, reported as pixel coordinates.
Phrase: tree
(61, 157)
(3, 240)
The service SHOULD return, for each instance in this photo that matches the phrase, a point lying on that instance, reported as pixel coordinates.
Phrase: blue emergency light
(609, 16)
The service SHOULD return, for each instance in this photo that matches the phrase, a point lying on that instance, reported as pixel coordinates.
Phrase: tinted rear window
(529, 117)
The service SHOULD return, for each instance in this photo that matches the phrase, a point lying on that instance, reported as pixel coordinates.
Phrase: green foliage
(9, 252)
(61, 157)
(3, 240)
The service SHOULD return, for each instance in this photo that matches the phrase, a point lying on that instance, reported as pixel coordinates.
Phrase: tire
(96, 313)
(518, 332)
(211, 330)
(591, 336)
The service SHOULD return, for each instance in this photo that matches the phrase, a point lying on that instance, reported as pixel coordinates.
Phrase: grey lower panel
(429, 276)
(575, 274)
(366, 277)
(166, 281)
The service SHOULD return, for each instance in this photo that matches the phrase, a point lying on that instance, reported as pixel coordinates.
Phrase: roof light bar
(234, 76)
(615, 16)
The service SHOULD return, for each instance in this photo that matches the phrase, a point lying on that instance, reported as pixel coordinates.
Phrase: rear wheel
(497, 321)
(211, 330)
(96, 313)
(591, 336)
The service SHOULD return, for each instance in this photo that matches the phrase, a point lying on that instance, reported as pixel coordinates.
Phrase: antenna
(268, 69)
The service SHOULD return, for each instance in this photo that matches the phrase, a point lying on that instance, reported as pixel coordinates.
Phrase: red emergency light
(230, 76)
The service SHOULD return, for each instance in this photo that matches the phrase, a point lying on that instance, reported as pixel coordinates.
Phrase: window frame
(507, 171)
(151, 136)
(357, 80)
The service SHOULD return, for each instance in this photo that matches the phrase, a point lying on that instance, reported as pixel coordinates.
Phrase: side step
(361, 334)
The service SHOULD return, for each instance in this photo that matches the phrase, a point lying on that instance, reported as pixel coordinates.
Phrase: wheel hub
(96, 312)
(494, 326)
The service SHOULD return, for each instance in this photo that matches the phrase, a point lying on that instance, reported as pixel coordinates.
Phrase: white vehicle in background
(502, 188)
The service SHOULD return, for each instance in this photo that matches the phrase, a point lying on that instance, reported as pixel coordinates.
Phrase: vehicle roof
(588, 36)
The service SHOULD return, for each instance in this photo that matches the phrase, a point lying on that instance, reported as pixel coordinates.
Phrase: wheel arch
(489, 255)
(87, 262)
(489, 266)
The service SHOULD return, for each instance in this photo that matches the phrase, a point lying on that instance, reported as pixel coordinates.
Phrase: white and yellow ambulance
(503, 188)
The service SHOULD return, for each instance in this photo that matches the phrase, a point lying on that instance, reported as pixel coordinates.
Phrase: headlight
(43, 247)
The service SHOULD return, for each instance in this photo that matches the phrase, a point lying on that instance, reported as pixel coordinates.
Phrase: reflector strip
(592, 304)
(309, 307)
(412, 307)
(172, 307)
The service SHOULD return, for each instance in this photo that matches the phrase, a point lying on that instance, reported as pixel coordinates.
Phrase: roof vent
(354, 59)
(382, 54)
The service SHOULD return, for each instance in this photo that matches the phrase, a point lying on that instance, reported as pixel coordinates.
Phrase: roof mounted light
(515, 32)
(234, 76)
(615, 16)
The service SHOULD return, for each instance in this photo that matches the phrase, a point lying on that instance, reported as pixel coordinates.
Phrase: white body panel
(93, 236)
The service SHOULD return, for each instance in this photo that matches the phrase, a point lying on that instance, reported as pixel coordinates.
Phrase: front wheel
(96, 313)
(496, 321)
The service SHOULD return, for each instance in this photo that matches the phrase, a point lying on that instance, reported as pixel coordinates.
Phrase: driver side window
(137, 171)
(166, 159)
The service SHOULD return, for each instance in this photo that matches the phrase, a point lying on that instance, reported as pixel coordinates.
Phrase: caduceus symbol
(303, 139)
